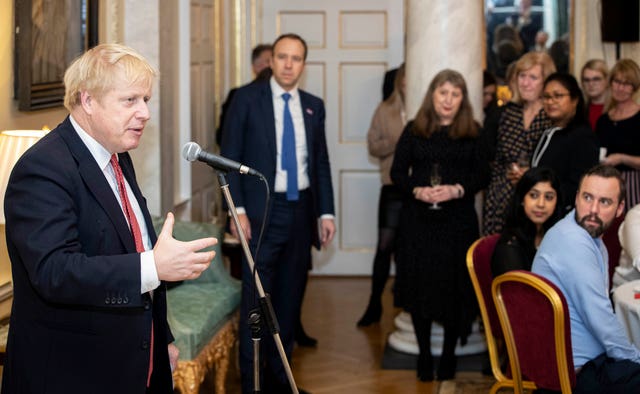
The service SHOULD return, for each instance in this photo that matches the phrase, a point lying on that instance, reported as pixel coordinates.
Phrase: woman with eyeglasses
(595, 85)
(619, 128)
(568, 147)
(519, 129)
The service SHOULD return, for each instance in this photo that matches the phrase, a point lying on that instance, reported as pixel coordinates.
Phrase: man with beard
(573, 256)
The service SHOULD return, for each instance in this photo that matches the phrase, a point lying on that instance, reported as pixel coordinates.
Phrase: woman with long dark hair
(568, 147)
(438, 221)
(534, 208)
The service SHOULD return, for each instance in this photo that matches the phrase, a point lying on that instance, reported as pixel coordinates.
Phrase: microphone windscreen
(190, 151)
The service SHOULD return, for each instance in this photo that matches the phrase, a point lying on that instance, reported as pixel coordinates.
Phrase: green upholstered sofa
(203, 314)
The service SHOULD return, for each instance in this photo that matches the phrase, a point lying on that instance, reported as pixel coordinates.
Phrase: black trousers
(604, 375)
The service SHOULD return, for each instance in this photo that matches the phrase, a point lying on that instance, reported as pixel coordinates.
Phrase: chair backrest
(535, 322)
(479, 266)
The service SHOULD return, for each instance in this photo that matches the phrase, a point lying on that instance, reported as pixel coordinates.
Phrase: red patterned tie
(135, 231)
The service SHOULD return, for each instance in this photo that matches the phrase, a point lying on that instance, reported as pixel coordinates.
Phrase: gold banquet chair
(479, 266)
(534, 317)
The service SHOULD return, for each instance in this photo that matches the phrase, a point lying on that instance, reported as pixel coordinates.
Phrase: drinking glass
(523, 162)
(435, 181)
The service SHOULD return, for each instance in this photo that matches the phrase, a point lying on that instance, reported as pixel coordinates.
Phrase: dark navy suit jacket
(250, 138)
(79, 323)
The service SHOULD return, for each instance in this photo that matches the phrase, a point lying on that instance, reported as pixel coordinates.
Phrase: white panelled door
(352, 43)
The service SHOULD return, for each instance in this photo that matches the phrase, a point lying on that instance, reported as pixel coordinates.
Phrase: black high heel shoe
(424, 369)
(447, 367)
(371, 315)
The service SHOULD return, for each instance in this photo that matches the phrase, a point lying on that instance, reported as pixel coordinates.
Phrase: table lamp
(13, 143)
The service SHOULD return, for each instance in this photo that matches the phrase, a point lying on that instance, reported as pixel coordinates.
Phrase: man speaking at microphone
(89, 309)
(278, 130)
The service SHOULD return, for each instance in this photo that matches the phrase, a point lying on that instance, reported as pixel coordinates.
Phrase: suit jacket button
(145, 344)
(147, 305)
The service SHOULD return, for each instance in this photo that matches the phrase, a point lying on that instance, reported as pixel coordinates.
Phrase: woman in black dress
(618, 129)
(534, 208)
(432, 282)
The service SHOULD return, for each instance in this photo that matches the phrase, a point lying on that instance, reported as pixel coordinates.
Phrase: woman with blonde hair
(521, 125)
(594, 78)
(439, 165)
(619, 128)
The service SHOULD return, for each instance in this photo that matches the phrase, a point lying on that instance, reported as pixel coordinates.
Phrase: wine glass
(523, 162)
(435, 181)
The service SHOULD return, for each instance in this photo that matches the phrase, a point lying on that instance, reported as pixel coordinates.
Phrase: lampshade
(13, 143)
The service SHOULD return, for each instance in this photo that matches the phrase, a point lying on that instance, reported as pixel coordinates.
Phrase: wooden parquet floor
(347, 359)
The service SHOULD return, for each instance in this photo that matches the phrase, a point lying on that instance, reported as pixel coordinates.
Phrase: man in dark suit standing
(260, 60)
(89, 310)
(279, 131)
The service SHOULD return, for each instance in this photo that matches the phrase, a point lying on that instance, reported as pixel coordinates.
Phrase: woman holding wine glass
(432, 283)
(522, 122)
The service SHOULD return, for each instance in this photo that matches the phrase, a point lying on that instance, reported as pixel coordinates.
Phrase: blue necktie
(289, 162)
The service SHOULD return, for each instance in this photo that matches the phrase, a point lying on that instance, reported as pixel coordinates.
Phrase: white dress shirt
(302, 153)
(148, 273)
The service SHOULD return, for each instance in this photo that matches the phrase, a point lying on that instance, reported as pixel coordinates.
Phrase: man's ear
(620, 209)
(86, 101)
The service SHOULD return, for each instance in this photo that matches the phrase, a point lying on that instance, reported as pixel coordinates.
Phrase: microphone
(192, 152)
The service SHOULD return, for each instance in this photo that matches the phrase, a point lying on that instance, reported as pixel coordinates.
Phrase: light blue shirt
(578, 264)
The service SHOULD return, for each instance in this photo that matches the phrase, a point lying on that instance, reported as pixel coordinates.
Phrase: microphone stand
(266, 308)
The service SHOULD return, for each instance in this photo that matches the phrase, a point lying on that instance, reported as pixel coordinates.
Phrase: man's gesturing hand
(177, 260)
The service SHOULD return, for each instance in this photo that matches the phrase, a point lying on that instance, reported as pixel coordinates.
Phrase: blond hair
(96, 72)
(596, 65)
(629, 71)
(527, 61)
(600, 66)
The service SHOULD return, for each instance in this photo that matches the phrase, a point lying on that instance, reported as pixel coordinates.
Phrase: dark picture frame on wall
(48, 36)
